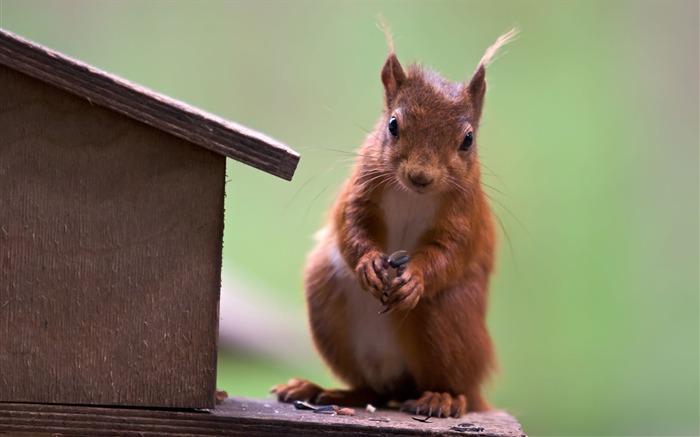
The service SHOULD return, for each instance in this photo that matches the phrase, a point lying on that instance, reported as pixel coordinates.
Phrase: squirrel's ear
(476, 88)
(393, 76)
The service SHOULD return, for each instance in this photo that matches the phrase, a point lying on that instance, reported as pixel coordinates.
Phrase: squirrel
(415, 187)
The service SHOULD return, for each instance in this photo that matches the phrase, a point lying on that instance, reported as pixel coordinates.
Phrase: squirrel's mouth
(410, 185)
(418, 181)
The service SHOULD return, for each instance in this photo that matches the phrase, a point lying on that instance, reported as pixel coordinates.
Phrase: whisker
(505, 231)
(341, 164)
(289, 203)
(353, 154)
(492, 187)
(491, 172)
(372, 134)
(372, 178)
(509, 212)
(469, 192)
(308, 208)
(454, 183)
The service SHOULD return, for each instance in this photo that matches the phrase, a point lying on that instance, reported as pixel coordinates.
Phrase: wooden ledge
(238, 417)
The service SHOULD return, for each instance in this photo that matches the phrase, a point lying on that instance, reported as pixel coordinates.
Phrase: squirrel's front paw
(372, 272)
(405, 290)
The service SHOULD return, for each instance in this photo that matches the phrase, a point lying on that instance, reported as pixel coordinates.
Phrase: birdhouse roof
(141, 104)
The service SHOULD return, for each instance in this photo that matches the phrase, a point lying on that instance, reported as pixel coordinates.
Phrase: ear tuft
(500, 42)
(476, 87)
(384, 27)
(393, 75)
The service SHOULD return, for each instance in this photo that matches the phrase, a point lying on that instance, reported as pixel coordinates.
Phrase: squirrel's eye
(467, 143)
(393, 126)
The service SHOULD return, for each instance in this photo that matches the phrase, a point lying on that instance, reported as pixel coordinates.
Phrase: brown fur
(438, 301)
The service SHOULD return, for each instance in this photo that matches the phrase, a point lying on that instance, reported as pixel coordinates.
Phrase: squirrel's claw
(372, 273)
(405, 291)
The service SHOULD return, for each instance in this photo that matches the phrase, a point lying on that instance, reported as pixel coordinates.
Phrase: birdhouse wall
(110, 255)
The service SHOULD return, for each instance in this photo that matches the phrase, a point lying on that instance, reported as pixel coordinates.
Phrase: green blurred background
(590, 136)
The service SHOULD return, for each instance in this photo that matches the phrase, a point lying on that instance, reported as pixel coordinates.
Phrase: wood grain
(239, 417)
(110, 255)
(141, 104)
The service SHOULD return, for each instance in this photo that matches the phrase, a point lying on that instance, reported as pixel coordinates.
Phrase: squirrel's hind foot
(435, 404)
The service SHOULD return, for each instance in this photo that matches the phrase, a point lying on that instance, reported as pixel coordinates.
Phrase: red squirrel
(415, 187)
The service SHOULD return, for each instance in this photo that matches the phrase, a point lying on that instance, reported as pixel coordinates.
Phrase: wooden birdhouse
(111, 225)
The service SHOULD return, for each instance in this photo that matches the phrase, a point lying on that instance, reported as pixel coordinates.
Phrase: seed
(327, 409)
(300, 405)
(399, 258)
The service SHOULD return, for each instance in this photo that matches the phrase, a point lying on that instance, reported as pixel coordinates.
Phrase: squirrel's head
(429, 126)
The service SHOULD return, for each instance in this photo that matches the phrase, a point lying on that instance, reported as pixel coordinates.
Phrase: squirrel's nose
(420, 179)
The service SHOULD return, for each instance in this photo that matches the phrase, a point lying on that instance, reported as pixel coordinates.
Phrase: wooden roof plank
(164, 113)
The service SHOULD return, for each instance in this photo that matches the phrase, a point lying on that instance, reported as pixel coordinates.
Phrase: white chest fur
(376, 351)
(376, 348)
(407, 216)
